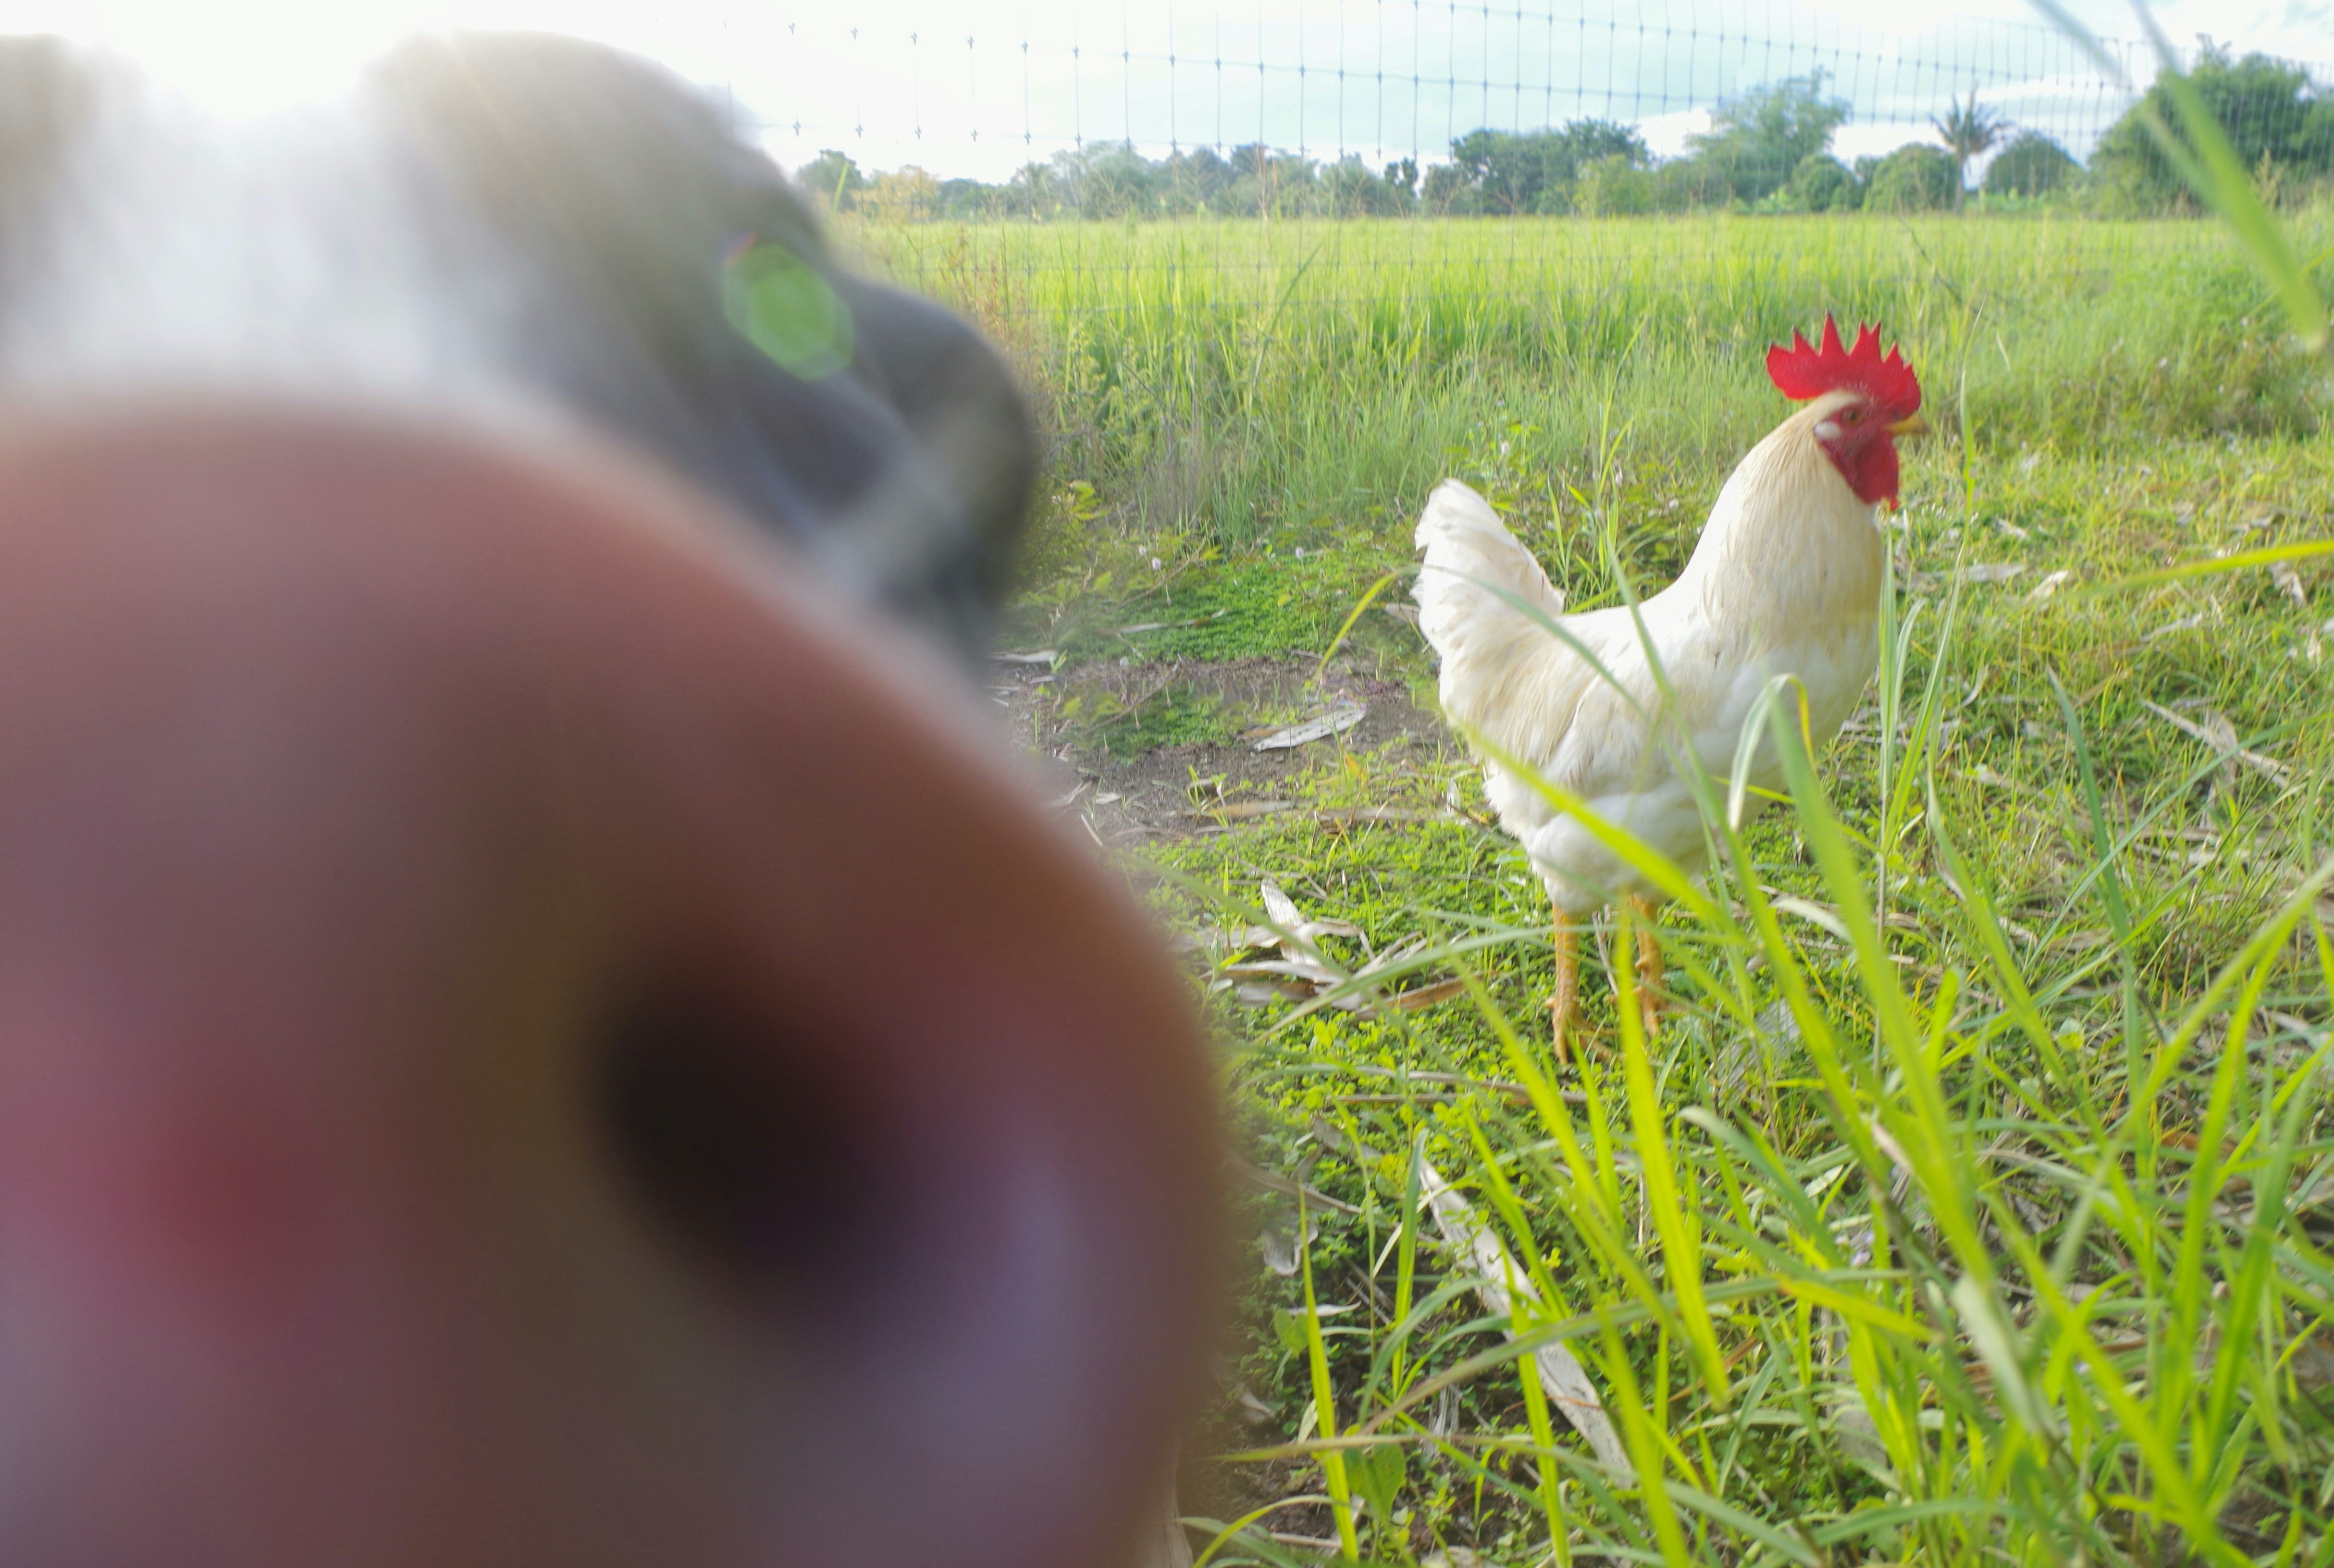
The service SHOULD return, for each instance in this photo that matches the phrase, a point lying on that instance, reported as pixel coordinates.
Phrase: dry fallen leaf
(1499, 1284)
(1301, 972)
(1282, 911)
(2217, 732)
(1498, 1279)
(1306, 969)
(1428, 995)
(1281, 1245)
(1240, 811)
(1336, 721)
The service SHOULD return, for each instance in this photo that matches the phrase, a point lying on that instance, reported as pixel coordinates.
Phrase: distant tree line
(1767, 150)
(2280, 122)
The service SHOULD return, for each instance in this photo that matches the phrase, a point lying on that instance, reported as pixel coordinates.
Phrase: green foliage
(1110, 180)
(1245, 382)
(1270, 602)
(834, 178)
(1822, 183)
(1916, 178)
(1616, 187)
(1968, 131)
(2031, 165)
(2199, 149)
(1174, 713)
(1766, 149)
(1968, 1207)
(1354, 189)
(1597, 168)
(1757, 141)
(1516, 172)
(2278, 123)
(1113, 180)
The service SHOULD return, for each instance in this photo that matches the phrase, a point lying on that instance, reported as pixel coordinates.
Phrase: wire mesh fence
(1372, 109)
(1232, 249)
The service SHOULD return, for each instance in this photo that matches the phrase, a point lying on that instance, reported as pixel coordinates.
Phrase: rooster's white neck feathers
(1789, 550)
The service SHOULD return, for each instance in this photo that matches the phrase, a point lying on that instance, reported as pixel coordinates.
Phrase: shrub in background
(1822, 183)
(2031, 165)
(1916, 178)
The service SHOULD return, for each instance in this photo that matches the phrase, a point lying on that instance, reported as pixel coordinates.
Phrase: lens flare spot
(781, 304)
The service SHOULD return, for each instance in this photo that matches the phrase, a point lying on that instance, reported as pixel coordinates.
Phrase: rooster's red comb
(1803, 371)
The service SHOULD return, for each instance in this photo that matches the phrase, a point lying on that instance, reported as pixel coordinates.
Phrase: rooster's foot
(1652, 997)
(1564, 996)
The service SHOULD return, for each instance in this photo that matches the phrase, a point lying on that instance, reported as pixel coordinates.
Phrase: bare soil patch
(1131, 792)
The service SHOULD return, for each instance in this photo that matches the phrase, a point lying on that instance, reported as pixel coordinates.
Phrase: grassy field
(1975, 1202)
(1238, 380)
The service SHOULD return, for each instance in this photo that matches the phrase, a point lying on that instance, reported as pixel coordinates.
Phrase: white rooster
(1784, 581)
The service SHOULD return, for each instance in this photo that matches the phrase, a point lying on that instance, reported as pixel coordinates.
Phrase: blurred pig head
(535, 1025)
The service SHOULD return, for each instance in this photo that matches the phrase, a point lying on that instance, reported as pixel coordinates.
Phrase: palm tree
(1968, 132)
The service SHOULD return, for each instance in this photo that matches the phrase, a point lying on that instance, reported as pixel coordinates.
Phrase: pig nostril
(765, 1161)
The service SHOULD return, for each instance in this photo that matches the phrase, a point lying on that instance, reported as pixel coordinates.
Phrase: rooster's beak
(1913, 426)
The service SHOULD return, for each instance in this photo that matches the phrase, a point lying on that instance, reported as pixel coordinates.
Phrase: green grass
(1173, 714)
(1238, 380)
(1974, 1203)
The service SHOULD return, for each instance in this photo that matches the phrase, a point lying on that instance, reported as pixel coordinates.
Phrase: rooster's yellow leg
(1563, 1000)
(1649, 964)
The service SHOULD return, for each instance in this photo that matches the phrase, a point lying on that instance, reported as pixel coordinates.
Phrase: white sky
(979, 86)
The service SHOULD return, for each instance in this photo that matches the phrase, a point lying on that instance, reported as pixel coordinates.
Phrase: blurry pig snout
(523, 1040)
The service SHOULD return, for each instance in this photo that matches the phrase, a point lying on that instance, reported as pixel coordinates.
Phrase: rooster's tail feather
(1476, 576)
